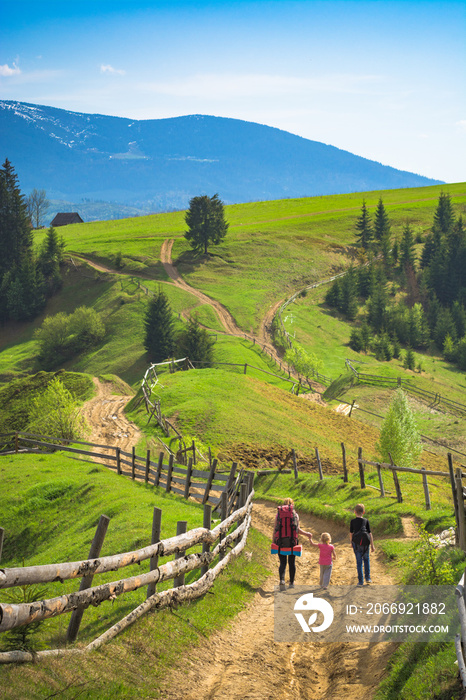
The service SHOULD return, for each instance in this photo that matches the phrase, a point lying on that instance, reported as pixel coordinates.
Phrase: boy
(361, 539)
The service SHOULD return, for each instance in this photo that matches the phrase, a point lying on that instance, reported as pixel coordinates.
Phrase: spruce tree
(196, 344)
(381, 223)
(16, 236)
(364, 230)
(159, 340)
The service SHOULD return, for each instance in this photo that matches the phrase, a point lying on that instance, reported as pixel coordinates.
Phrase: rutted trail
(243, 661)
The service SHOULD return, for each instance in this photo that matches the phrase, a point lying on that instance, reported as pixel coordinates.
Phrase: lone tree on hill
(159, 339)
(206, 222)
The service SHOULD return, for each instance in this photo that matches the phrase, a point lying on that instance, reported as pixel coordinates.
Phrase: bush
(64, 335)
(55, 412)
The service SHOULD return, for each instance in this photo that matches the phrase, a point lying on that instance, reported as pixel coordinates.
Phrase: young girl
(327, 554)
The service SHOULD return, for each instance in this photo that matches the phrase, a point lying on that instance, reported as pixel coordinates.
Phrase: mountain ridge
(159, 164)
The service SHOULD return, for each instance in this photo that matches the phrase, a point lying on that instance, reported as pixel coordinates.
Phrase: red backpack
(286, 533)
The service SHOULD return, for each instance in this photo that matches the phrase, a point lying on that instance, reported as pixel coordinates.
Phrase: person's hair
(359, 510)
(288, 502)
(325, 537)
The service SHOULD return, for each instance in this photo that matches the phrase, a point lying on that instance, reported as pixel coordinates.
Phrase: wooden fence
(460, 639)
(206, 486)
(431, 397)
(228, 543)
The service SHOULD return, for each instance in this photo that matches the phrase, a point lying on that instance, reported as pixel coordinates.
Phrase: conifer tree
(206, 223)
(196, 344)
(364, 230)
(159, 340)
(381, 223)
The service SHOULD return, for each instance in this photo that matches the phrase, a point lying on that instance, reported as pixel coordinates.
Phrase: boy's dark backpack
(361, 538)
(286, 534)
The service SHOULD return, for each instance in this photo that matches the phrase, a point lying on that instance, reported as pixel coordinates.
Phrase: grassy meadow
(272, 250)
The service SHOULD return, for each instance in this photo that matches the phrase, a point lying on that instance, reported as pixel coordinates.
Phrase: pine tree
(159, 340)
(381, 223)
(196, 344)
(16, 236)
(399, 438)
(406, 254)
(364, 228)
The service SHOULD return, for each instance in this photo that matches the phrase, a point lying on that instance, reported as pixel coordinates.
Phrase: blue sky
(384, 80)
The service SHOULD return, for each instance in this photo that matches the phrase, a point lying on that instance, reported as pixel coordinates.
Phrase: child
(326, 555)
(361, 539)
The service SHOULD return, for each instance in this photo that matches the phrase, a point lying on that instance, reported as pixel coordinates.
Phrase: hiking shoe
(360, 584)
(282, 582)
(368, 580)
(291, 585)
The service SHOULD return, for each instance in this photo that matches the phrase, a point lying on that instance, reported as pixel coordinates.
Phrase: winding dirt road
(243, 661)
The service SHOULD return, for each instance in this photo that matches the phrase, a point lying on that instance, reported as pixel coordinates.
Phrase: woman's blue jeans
(362, 560)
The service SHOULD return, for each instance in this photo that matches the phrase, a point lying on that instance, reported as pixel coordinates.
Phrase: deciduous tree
(399, 437)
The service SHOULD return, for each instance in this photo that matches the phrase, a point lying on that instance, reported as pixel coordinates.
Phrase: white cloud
(6, 71)
(110, 69)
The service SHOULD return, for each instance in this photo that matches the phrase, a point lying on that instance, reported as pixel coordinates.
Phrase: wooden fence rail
(229, 543)
(202, 485)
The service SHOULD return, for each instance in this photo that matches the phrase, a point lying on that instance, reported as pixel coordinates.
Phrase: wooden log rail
(460, 639)
(156, 601)
(172, 477)
(15, 615)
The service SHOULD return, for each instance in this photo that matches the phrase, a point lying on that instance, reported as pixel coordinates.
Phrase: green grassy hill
(272, 250)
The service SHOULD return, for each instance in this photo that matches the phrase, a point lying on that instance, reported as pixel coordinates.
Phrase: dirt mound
(277, 457)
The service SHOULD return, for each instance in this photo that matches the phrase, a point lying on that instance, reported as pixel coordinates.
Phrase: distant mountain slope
(160, 164)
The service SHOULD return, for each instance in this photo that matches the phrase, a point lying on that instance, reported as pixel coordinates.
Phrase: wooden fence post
(209, 481)
(245, 368)
(156, 531)
(187, 483)
(16, 443)
(223, 516)
(86, 581)
(455, 499)
(361, 469)
(147, 466)
(379, 474)
(426, 488)
(169, 474)
(461, 513)
(133, 463)
(351, 409)
(295, 465)
(319, 464)
(181, 528)
(207, 524)
(194, 452)
(243, 495)
(2, 535)
(345, 468)
(159, 469)
(118, 460)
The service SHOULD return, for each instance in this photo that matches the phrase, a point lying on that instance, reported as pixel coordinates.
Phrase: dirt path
(105, 415)
(243, 661)
(226, 319)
